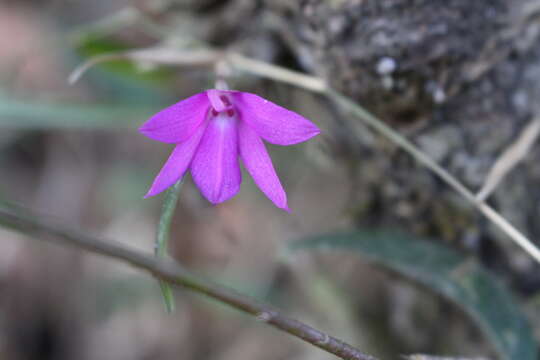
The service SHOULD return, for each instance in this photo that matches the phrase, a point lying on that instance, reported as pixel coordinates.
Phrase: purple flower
(211, 129)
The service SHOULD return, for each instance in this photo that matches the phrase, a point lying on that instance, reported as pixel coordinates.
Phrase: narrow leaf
(17, 114)
(162, 238)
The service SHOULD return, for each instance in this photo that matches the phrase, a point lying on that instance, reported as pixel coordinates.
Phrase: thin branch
(510, 158)
(429, 357)
(277, 73)
(21, 221)
(155, 55)
(81, 69)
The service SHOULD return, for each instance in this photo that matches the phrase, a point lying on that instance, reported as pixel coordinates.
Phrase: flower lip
(230, 112)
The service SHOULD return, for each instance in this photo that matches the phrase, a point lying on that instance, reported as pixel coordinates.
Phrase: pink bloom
(211, 129)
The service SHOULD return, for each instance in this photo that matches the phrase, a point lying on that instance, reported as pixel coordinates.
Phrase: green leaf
(167, 295)
(162, 238)
(41, 115)
(445, 272)
(93, 46)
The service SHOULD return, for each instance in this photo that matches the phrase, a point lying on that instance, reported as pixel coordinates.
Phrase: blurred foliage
(91, 46)
(17, 113)
(445, 272)
(114, 295)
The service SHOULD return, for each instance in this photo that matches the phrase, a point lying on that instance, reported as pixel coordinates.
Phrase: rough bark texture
(457, 77)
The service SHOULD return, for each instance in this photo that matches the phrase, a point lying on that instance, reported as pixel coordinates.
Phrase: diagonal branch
(510, 158)
(429, 357)
(23, 222)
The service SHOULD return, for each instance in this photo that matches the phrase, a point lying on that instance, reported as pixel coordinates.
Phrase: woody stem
(20, 220)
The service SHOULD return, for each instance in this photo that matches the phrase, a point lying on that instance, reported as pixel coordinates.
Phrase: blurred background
(73, 153)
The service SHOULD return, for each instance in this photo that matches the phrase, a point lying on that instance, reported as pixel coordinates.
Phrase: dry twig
(510, 158)
(429, 357)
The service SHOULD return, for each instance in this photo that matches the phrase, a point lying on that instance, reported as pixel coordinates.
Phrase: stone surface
(460, 79)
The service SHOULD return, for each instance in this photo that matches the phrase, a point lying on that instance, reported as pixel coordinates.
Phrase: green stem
(162, 238)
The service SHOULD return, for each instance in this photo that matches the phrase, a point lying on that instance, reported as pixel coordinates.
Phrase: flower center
(225, 100)
(230, 112)
(224, 119)
(219, 100)
(222, 110)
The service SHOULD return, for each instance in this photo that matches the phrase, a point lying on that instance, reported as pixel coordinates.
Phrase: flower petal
(215, 168)
(273, 123)
(177, 164)
(179, 121)
(259, 165)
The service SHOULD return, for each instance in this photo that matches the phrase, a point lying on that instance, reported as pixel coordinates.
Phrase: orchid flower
(212, 129)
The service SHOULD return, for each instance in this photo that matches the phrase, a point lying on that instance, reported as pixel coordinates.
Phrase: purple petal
(215, 167)
(177, 164)
(259, 165)
(179, 121)
(273, 123)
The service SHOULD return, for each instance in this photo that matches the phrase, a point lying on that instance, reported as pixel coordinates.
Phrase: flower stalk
(162, 238)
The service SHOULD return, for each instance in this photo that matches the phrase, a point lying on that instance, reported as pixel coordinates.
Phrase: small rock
(386, 65)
